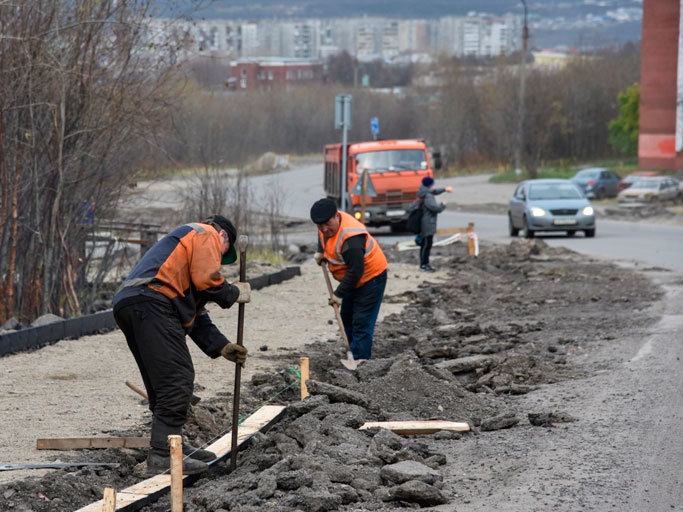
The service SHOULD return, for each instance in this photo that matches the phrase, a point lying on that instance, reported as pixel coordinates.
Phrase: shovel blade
(349, 363)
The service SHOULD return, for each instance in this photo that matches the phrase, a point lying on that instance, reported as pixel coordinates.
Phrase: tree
(80, 95)
(623, 131)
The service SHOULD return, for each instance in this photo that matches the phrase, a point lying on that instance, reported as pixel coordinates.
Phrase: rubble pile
(502, 325)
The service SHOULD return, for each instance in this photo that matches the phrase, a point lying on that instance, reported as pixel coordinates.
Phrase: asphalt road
(625, 453)
(641, 243)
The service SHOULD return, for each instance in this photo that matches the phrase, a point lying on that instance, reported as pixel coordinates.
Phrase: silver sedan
(550, 205)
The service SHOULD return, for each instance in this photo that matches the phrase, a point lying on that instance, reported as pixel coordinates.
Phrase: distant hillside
(335, 8)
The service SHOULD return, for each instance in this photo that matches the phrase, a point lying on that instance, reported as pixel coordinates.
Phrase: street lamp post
(520, 113)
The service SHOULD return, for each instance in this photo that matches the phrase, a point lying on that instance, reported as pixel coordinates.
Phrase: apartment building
(257, 73)
(365, 38)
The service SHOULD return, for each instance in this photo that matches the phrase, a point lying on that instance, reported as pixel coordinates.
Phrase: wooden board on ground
(410, 428)
(76, 443)
(142, 493)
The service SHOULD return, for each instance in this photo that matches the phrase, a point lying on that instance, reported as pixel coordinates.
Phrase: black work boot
(198, 453)
(158, 463)
(159, 457)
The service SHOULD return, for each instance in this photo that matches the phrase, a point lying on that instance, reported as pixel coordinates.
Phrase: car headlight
(587, 211)
(537, 212)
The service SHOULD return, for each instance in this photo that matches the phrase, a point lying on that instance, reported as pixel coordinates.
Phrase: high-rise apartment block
(365, 38)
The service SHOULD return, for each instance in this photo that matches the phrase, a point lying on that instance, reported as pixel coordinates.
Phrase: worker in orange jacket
(356, 260)
(162, 301)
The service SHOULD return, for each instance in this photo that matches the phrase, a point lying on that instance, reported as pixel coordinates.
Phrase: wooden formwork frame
(147, 491)
(456, 234)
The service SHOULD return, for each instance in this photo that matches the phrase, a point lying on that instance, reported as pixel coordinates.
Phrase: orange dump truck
(396, 169)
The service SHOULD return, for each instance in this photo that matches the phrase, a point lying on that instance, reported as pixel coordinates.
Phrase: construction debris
(468, 348)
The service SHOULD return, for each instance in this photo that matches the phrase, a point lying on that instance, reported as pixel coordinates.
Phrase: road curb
(102, 321)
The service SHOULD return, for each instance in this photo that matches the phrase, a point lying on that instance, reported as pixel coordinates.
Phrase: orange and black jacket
(184, 268)
(353, 255)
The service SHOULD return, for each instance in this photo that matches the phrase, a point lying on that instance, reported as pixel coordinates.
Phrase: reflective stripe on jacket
(185, 267)
(375, 261)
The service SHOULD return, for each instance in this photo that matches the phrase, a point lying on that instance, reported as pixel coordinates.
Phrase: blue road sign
(374, 125)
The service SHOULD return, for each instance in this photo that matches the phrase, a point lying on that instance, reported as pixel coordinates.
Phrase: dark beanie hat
(428, 181)
(227, 226)
(323, 210)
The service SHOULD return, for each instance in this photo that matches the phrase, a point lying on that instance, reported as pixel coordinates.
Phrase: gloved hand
(334, 300)
(245, 292)
(318, 257)
(235, 353)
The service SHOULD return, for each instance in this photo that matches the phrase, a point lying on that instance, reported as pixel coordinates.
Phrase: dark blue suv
(597, 182)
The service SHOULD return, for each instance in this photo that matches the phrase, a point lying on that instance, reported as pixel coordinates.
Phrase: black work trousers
(157, 340)
(425, 249)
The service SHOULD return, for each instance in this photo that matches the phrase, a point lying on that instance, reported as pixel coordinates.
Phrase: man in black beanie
(159, 303)
(356, 260)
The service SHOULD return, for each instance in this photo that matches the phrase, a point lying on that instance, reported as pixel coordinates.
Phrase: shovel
(349, 363)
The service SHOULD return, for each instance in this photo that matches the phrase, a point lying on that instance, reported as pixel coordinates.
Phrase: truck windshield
(391, 160)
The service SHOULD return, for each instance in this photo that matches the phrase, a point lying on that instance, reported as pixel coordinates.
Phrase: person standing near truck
(356, 260)
(431, 209)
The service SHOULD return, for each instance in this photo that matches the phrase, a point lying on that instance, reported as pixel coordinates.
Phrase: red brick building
(660, 141)
(254, 73)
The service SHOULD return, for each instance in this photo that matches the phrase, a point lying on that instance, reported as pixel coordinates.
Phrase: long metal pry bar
(242, 243)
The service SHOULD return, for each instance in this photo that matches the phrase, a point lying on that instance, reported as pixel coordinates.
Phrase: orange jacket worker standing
(356, 260)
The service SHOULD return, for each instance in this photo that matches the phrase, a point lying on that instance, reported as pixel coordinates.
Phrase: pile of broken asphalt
(502, 325)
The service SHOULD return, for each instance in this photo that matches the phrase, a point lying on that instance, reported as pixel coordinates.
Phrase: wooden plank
(77, 443)
(409, 428)
(147, 491)
(249, 427)
(451, 231)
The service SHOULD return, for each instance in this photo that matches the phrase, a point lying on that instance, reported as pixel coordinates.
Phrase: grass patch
(565, 170)
(265, 255)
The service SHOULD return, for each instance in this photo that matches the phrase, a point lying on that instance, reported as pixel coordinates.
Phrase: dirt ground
(483, 341)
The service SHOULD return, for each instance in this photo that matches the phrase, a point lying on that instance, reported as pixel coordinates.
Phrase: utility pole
(522, 79)
(343, 107)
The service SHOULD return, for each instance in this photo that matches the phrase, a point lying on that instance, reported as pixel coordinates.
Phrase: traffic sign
(374, 125)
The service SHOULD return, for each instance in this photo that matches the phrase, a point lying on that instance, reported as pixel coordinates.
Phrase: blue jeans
(359, 312)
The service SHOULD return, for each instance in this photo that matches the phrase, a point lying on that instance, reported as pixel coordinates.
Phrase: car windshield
(553, 191)
(392, 160)
(587, 173)
(645, 184)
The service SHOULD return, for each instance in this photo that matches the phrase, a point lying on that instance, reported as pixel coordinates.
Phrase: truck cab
(396, 169)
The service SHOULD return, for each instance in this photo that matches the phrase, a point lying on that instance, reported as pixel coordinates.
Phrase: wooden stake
(109, 500)
(303, 362)
(176, 444)
(470, 240)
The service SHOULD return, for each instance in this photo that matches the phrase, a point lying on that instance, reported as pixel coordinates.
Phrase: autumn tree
(81, 96)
